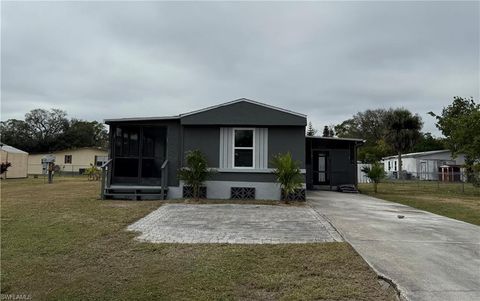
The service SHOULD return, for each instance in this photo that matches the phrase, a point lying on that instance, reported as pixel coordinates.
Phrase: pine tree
(326, 131)
(311, 131)
(331, 133)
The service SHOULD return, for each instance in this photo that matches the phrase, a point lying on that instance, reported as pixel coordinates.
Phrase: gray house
(238, 138)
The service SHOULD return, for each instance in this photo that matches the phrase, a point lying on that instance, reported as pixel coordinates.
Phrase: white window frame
(243, 147)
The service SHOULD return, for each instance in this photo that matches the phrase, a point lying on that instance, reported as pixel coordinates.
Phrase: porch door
(320, 168)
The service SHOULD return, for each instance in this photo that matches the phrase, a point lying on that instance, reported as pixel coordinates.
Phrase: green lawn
(454, 200)
(60, 242)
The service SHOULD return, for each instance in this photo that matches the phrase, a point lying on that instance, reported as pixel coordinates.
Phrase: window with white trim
(243, 148)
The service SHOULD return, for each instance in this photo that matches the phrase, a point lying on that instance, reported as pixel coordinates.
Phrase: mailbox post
(48, 163)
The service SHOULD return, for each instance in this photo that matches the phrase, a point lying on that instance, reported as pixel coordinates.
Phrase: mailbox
(48, 162)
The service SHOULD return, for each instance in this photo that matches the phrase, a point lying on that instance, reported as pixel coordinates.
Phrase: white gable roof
(11, 149)
(419, 154)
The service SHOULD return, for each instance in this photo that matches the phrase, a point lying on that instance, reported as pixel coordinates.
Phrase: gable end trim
(243, 100)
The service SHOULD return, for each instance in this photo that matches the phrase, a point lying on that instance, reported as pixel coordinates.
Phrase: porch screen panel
(126, 152)
(260, 148)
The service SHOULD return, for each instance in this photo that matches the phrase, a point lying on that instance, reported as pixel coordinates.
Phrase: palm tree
(403, 131)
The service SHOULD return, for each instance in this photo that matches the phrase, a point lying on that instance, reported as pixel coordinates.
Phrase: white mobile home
(73, 161)
(431, 165)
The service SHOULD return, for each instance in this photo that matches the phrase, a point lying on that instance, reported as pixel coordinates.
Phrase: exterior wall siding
(287, 139)
(244, 114)
(173, 150)
(342, 171)
(19, 163)
(205, 139)
(216, 143)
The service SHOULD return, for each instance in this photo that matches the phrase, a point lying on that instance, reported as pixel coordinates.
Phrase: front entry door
(320, 168)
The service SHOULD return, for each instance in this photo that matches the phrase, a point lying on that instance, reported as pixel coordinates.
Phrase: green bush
(196, 172)
(375, 173)
(93, 173)
(287, 173)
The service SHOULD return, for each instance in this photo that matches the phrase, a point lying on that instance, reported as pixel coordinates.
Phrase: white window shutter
(261, 148)
(226, 148)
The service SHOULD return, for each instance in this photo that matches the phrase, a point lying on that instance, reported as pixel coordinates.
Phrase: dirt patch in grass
(60, 242)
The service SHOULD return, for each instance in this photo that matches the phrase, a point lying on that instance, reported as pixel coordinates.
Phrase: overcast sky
(326, 60)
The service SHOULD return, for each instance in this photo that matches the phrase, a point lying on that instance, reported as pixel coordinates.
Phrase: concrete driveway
(231, 223)
(429, 257)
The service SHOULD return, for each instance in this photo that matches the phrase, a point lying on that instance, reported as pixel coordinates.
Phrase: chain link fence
(66, 170)
(447, 181)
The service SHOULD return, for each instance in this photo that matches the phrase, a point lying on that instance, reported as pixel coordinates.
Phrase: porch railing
(164, 183)
(104, 167)
(105, 179)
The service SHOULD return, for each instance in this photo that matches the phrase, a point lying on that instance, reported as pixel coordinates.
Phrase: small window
(389, 165)
(100, 160)
(243, 148)
(395, 165)
(68, 159)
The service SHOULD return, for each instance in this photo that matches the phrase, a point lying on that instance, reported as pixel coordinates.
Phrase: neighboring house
(238, 138)
(18, 159)
(431, 165)
(69, 161)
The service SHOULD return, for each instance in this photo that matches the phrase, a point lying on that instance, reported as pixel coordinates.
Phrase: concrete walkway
(229, 223)
(429, 257)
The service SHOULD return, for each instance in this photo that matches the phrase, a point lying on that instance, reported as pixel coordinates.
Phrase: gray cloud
(328, 60)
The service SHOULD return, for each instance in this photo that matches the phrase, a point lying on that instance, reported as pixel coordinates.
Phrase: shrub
(375, 173)
(196, 172)
(93, 173)
(4, 167)
(287, 173)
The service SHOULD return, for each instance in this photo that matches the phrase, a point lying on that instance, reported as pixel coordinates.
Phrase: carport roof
(336, 138)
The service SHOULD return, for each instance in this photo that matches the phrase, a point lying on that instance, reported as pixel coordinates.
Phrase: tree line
(51, 130)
